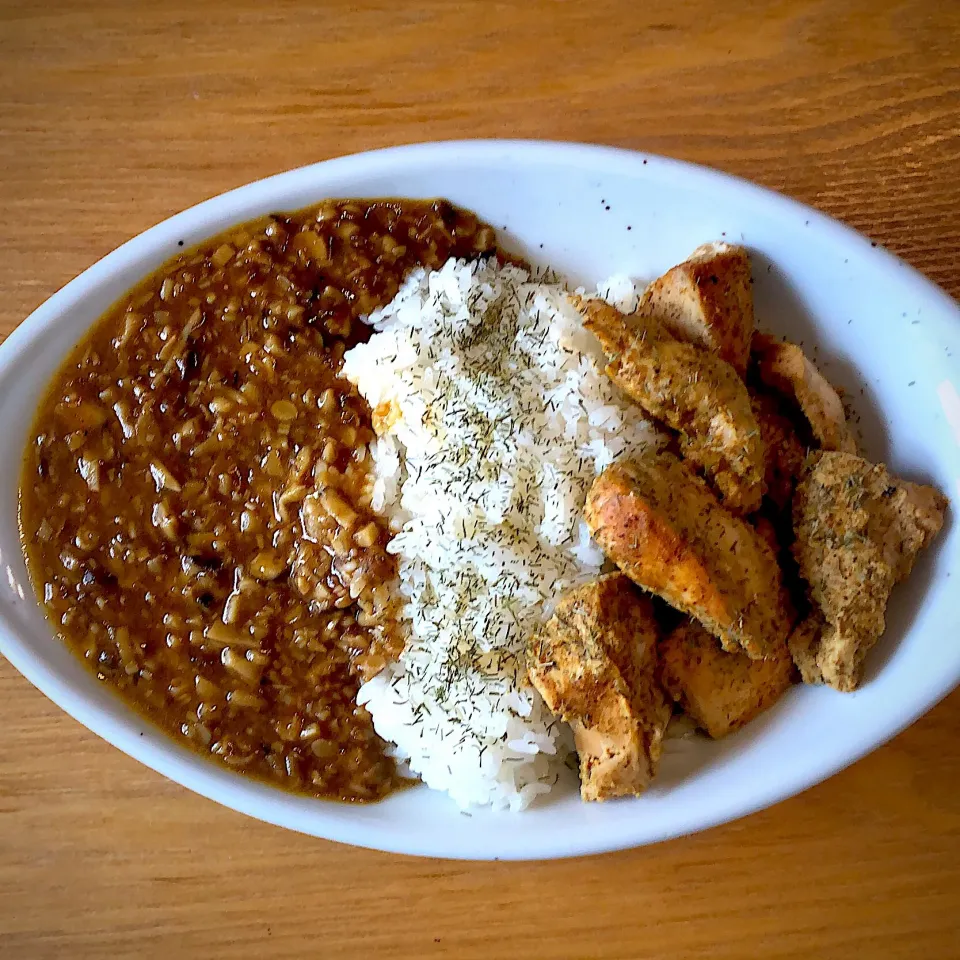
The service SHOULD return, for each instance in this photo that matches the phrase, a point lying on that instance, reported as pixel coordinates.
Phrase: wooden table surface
(116, 114)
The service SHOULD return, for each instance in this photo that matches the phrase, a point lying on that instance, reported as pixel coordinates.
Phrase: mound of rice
(494, 417)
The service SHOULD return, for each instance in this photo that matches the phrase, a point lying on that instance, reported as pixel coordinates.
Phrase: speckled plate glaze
(889, 337)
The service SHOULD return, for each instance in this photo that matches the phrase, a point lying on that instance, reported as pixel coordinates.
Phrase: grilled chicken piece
(692, 391)
(594, 664)
(707, 300)
(783, 452)
(857, 533)
(804, 645)
(666, 530)
(784, 367)
(720, 691)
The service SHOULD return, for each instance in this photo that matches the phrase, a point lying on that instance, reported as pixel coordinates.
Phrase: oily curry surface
(195, 495)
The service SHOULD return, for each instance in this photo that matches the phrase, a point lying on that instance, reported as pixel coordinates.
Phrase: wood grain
(114, 115)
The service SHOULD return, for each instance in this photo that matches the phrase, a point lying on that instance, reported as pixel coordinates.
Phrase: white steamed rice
(495, 418)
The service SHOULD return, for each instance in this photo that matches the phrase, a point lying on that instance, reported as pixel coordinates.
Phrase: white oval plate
(882, 331)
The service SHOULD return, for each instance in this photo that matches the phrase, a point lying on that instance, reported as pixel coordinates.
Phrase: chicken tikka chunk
(692, 391)
(786, 368)
(707, 300)
(858, 531)
(594, 663)
(664, 528)
(804, 646)
(720, 691)
(784, 453)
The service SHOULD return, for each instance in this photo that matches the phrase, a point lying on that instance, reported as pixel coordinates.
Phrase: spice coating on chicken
(783, 452)
(665, 529)
(594, 664)
(692, 391)
(707, 300)
(720, 691)
(857, 532)
(784, 367)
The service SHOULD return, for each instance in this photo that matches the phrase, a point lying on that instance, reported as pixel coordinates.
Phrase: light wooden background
(114, 115)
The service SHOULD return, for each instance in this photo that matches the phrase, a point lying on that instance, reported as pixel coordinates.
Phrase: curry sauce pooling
(195, 497)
